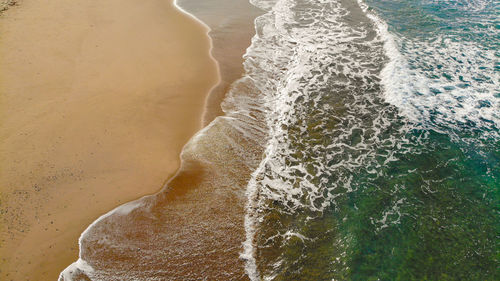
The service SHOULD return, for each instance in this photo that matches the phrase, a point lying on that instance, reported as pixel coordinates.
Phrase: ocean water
(383, 161)
(362, 143)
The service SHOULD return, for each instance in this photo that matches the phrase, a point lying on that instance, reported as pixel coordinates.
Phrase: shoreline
(206, 109)
(231, 24)
(37, 269)
(189, 199)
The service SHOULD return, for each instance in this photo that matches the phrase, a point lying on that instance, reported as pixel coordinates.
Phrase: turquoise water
(384, 156)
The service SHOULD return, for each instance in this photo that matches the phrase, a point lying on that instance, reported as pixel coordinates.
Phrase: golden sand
(97, 99)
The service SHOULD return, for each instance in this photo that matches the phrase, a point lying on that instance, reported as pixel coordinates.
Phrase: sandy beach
(97, 99)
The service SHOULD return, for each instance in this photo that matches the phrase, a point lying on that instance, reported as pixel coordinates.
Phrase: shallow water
(231, 30)
(362, 144)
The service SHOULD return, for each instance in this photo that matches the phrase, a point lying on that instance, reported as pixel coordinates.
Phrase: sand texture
(97, 99)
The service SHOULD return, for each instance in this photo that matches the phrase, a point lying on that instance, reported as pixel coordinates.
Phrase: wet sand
(97, 99)
(194, 228)
(232, 27)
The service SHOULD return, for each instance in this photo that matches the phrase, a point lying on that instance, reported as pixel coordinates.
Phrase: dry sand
(97, 99)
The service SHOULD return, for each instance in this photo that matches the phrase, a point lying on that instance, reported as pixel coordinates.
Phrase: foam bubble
(78, 270)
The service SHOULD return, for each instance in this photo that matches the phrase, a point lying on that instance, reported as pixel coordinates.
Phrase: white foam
(78, 267)
(465, 5)
(291, 61)
(83, 266)
(459, 89)
(125, 209)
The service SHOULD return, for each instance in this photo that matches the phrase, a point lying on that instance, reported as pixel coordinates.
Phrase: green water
(359, 188)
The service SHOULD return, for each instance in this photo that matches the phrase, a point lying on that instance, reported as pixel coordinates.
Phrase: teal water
(384, 156)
